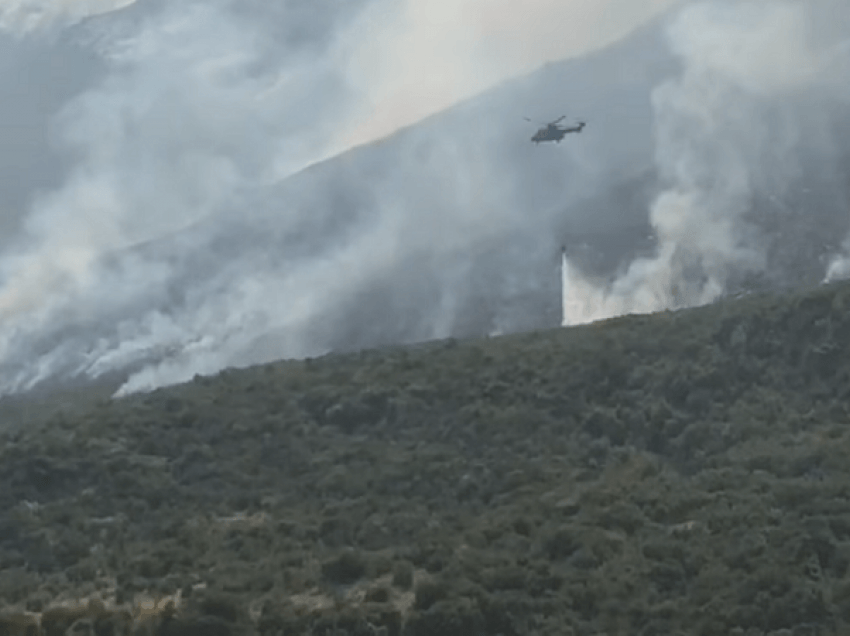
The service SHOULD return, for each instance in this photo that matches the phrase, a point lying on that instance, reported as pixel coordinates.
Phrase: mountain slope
(681, 471)
(450, 227)
(454, 227)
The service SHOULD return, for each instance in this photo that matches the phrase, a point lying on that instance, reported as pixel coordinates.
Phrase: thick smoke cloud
(147, 255)
(757, 83)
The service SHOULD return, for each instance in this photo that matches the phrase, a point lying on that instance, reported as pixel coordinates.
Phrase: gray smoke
(197, 197)
(177, 240)
(22, 17)
(759, 84)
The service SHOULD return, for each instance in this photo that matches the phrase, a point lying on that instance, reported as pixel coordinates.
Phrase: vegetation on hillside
(675, 473)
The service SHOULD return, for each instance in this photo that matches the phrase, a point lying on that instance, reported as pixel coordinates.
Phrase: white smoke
(726, 129)
(206, 103)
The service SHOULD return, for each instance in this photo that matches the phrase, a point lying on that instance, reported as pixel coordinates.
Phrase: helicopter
(553, 132)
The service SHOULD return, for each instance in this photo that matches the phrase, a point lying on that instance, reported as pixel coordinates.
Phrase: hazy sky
(422, 57)
(412, 58)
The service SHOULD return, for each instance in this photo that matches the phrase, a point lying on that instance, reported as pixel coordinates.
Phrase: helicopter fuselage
(553, 132)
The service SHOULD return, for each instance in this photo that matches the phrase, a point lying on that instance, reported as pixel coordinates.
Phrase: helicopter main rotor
(548, 124)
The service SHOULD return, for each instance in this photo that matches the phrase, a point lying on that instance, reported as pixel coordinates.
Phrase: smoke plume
(179, 241)
(755, 83)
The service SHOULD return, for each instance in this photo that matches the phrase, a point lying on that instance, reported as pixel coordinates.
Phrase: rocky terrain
(676, 473)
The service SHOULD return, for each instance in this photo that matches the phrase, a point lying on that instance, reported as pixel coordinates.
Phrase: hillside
(451, 227)
(675, 473)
